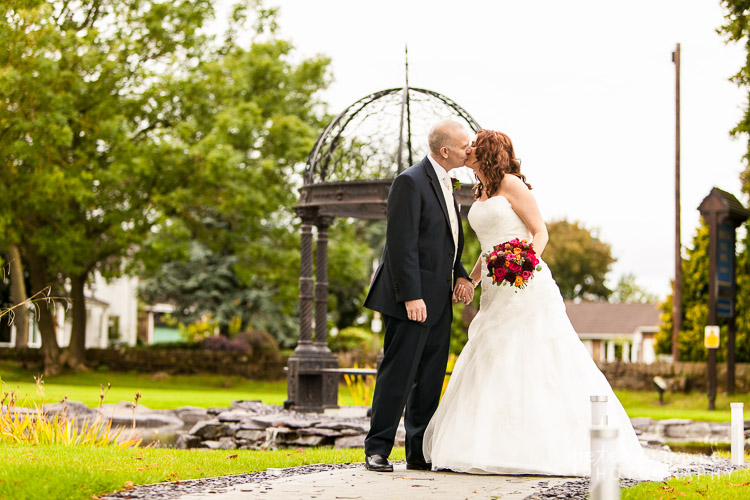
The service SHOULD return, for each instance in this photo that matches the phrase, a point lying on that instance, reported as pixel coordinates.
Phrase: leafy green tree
(694, 306)
(350, 259)
(126, 116)
(742, 301)
(84, 144)
(737, 29)
(627, 290)
(579, 261)
(246, 120)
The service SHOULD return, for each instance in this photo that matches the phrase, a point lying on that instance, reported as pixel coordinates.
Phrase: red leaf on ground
(737, 485)
(129, 485)
(231, 457)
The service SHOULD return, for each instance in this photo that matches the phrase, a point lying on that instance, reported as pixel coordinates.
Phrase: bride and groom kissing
(518, 400)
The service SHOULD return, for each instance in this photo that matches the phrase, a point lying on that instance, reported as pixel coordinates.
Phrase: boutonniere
(455, 183)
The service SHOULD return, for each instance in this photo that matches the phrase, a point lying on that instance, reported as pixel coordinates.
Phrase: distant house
(616, 331)
(111, 316)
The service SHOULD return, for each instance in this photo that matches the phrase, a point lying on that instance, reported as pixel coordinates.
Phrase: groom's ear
(444, 152)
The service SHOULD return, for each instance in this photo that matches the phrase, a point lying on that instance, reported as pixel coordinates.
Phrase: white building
(616, 331)
(111, 316)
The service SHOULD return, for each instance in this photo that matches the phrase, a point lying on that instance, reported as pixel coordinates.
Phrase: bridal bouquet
(512, 263)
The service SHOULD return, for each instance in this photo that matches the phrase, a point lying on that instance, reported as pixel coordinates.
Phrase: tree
(246, 118)
(131, 120)
(695, 307)
(579, 261)
(737, 29)
(627, 290)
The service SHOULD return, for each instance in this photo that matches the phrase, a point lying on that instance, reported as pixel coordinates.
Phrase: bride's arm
(476, 273)
(525, 206)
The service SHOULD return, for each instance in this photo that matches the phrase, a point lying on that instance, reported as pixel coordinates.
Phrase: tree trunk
(77, 347)
(51, 354)
(18, 296)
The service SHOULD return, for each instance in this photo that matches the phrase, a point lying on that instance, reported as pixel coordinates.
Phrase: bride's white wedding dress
(518, 401)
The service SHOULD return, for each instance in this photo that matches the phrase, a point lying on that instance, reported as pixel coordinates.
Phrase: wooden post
(723, 213)
(677, 286)
(713, 251)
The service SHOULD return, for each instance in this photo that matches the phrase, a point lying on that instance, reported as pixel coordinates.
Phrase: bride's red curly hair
(494, 151)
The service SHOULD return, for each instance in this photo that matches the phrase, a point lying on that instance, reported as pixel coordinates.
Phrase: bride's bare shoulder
(512, 186)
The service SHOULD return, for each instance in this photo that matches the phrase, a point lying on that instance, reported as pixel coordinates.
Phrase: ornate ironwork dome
(358, 154)
(380, 135)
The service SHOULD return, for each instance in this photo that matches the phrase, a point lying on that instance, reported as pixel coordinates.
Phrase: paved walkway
(360, 484)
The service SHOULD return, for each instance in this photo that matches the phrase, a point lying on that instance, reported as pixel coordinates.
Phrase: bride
(518, 401)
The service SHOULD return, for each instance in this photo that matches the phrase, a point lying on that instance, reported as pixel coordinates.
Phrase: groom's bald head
(449, 144)
(446, 133)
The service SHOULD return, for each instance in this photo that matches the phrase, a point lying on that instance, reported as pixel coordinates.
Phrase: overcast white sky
(585, 88)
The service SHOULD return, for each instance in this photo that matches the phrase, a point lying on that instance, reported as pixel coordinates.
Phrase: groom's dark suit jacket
(418, 259)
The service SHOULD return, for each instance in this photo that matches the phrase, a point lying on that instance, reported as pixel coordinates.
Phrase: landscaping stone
(207, 430)
(319, 431)
(341, 425)
(232, 416)
(287, 421)
(310, 441)
(191, 415)
(187, 441)
(223, 443)
(251, 434)
(357, 441)
(70, 408)
(688, 429)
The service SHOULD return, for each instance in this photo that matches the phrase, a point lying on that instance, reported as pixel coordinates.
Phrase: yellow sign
(711, 340)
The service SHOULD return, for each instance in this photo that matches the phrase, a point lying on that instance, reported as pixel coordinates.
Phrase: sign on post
(711, 339)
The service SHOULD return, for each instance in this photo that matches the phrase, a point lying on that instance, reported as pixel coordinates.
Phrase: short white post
(604, 483)
(738, 433)
(599, 411)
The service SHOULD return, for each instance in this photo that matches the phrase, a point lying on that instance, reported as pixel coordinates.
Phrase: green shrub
(350, 339)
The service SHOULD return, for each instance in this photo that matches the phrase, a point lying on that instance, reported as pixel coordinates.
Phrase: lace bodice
(495, 221)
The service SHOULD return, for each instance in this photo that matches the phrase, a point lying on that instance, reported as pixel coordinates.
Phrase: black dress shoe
(378, 463)
(419, 465)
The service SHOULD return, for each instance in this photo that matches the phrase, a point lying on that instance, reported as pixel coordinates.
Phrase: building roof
(603, 317)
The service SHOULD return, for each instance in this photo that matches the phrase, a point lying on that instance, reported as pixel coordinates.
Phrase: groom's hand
(464, 291)
(416, 310)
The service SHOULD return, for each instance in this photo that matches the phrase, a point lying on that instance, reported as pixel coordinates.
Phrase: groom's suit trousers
(411, 375)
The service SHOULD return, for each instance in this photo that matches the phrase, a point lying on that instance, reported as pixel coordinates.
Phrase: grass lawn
(735, 486)
(171, 392)
(219, 390)
(78, 472)
(693, 406)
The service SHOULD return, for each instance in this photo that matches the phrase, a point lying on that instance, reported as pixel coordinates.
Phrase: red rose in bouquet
(512, 263)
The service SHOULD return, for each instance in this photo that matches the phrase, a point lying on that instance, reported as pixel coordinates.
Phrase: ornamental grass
(25, 422)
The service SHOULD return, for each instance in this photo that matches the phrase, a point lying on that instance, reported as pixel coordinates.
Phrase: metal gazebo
(348, 174)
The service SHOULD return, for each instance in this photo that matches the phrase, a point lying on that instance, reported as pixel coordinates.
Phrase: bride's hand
(464, 291)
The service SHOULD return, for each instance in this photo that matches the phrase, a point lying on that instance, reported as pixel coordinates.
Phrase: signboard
(725, 254)
(711, 340)
(724, 308)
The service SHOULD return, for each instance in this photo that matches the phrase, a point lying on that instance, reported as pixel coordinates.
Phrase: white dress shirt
(445, 183)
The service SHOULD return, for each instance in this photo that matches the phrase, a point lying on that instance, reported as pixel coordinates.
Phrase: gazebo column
(308, 387)
(305, 290)
(328, 360)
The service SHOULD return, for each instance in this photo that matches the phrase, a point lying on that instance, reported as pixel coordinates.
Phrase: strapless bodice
(494, 221)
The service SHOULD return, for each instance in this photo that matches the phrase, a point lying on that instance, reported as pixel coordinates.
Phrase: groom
(412, 289)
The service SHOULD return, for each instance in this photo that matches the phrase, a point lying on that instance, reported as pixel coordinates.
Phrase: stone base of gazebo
(310, 386)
